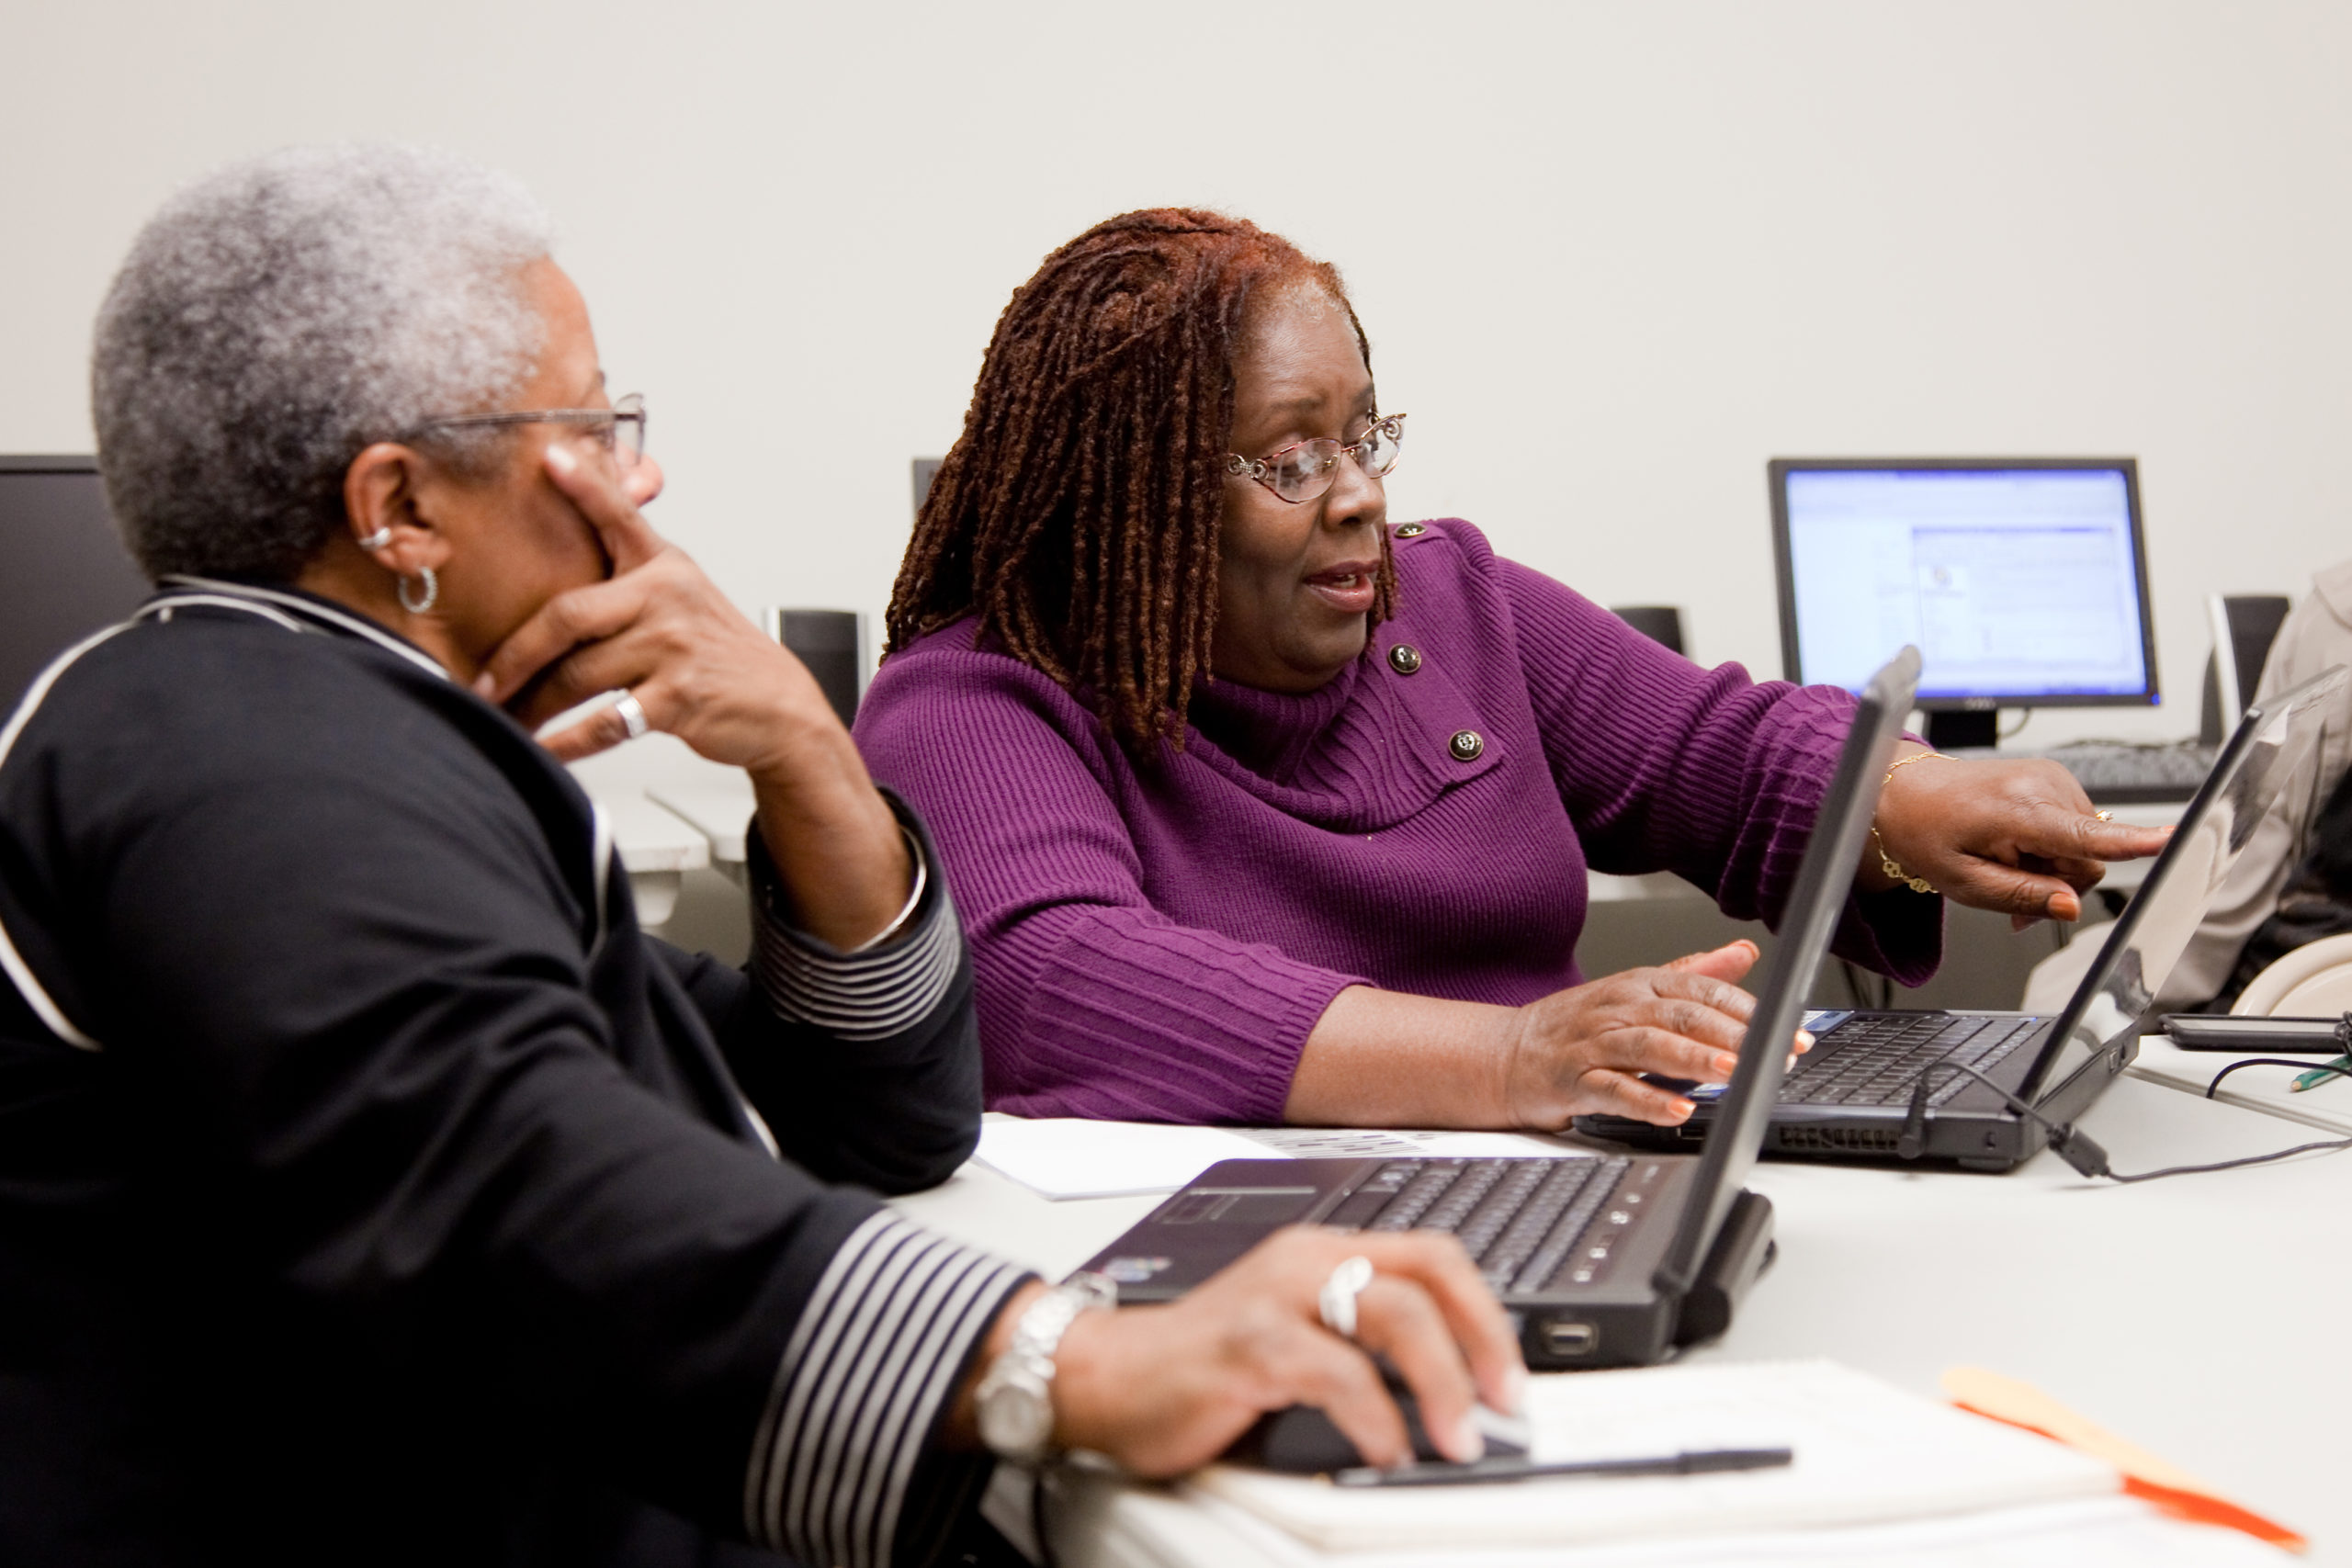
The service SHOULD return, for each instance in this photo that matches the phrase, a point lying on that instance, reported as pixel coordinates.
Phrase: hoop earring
(379, 539)
(432, 592)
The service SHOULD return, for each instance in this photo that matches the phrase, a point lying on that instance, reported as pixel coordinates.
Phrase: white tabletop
(658, 844)
(719, 806)
(2193, 1316)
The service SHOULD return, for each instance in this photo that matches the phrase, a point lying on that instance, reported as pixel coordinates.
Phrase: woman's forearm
(836, 846)
(1388, 1059)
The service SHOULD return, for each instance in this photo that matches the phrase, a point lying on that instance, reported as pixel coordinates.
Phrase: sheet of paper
(1866, 1452)
(2081, 1532)
(1072, 1158)
(2256, 1088)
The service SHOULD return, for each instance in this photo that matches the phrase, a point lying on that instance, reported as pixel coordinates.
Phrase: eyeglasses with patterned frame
(1305, 469)
(619, 430)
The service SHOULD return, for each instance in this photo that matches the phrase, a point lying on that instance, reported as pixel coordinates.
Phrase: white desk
(658, 845)
(2194, 1317)
(719, 806)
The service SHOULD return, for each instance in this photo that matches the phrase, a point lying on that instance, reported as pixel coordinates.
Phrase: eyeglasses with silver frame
(619, 430)
(1305, 469)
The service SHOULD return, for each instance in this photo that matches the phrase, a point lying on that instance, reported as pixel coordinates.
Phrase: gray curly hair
(277, 317)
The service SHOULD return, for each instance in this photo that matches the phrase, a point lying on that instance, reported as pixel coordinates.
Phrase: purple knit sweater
(1156, 942)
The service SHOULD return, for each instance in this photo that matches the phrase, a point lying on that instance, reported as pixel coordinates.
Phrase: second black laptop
(1851, 1094)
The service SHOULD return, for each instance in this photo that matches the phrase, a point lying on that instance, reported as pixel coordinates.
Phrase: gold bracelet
(1886, 862)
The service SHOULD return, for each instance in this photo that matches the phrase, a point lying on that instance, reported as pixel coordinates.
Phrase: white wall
(1611, 257)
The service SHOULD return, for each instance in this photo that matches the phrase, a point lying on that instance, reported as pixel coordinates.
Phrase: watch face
(1016, 1417)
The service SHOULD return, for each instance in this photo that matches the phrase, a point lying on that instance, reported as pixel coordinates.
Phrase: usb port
(1563, 1338)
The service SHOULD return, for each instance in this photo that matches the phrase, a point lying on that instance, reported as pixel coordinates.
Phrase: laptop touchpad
(1257, 1206)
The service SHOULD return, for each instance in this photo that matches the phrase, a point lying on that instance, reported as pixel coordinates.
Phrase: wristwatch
(1015, 1399)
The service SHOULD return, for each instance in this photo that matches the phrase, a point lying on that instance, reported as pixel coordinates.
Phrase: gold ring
(2104, 816)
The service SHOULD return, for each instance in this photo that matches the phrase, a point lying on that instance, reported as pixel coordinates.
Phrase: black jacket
(372, 1189)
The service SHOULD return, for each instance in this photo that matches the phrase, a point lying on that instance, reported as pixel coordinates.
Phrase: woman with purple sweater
(1260, 808)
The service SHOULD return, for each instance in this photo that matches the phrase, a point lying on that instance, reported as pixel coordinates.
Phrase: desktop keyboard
(1520, 1220)
(2118, 774)
(1875, 1059)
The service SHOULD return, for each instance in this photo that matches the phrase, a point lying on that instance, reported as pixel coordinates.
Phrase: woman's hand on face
(660, 630)
(1164, 1389)
(2019, 837)
(1578, 1052)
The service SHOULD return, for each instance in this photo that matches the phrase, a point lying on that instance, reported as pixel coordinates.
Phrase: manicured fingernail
(1680, 1110)
(485, 685)
(1469, 1444)
(1805, 1040)
(1726, 1064)
(562, 460)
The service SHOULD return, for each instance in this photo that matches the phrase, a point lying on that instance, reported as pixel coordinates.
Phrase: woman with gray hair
(371, 1188)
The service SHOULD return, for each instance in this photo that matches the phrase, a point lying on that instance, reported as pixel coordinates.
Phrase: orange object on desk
(2168, 1487)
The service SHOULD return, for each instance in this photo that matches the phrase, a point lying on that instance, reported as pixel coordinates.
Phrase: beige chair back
(2314, 981)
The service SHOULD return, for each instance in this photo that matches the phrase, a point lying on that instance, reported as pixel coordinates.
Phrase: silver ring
(1337, 1300)
(632, 714)
(379, 539)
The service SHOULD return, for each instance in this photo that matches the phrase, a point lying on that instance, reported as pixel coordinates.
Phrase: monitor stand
(1952, 729)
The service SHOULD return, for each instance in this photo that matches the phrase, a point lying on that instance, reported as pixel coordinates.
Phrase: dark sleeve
(1665, 766)
(343, 946)
(866, 1065)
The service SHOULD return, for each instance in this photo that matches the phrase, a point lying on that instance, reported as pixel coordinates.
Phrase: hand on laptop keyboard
(1575, 1053)
(2018, 837)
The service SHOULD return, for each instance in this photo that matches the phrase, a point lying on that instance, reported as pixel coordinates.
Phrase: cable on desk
(2076, 1147)
(2275, 1062)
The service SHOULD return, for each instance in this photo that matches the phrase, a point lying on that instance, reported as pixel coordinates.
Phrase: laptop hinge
(1744, 1248)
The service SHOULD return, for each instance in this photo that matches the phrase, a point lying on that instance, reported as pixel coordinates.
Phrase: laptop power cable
(2076, 1147)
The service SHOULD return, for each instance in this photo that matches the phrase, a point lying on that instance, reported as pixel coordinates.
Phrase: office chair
(1659, 623)
(2244, 625)
(2313, 981)
(67, 573)
(831, 643)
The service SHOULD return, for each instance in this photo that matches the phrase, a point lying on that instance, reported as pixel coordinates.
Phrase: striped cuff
(874, 991)
(864, 1382)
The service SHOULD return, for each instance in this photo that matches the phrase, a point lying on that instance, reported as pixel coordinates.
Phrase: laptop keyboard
(1876, 1059)
(1523, 1221)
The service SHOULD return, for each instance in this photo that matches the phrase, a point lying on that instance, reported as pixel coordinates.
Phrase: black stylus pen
(1517, 1467)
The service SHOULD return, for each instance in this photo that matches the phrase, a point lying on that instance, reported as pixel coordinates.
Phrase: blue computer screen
(2014, 584)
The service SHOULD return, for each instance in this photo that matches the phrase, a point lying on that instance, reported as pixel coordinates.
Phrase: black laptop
(1851, 1096)
(1602, 1260)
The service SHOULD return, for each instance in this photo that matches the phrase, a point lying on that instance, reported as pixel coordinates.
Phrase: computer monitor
(2022, 580)
(67, 573)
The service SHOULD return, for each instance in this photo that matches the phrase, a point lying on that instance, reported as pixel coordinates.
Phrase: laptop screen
(2270, 744)
(1825, 878)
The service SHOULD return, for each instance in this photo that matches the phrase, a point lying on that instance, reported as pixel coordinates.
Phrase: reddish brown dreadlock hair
(1076, 514)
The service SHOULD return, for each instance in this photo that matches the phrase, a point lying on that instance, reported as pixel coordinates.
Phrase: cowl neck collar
(1362, 752)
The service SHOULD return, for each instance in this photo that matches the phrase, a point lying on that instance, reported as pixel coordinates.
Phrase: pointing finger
(2053, 832)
